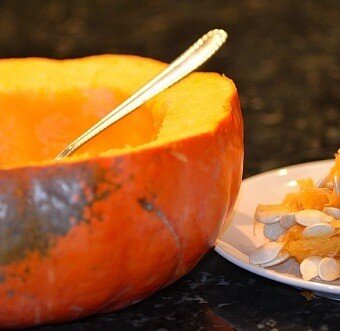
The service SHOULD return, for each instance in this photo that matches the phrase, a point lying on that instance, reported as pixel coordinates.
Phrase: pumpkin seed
(336, 180)
(266, 253)
(268, 217)
(332, 211)
(328, 269)
(273, 231)
(318, 230)
(287, 221)
(282, 257)
(323, 181)
(309, 267)
(308, 217)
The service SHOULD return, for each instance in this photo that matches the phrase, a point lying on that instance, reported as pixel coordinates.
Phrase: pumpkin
(133, 210)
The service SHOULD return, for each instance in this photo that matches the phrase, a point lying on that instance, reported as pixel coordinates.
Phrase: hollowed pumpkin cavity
(46, 104)
(35, 126)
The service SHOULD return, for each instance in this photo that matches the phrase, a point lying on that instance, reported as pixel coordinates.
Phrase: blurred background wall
(283, 56)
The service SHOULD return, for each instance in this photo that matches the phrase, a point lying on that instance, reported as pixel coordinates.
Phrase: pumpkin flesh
(133, 210)
(40, 126)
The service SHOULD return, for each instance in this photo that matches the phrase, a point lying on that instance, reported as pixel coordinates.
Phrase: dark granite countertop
(283, 56)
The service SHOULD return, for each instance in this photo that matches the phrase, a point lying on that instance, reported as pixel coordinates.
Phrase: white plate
(237, 240)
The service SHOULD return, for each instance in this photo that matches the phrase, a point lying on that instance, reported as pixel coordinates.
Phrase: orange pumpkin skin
(138, 222)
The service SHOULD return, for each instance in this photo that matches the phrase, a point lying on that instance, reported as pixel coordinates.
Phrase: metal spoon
(187, 62)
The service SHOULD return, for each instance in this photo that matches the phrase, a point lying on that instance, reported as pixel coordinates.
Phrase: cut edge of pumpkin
(172, 122)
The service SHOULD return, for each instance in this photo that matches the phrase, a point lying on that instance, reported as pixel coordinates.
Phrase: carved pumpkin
(133, 210)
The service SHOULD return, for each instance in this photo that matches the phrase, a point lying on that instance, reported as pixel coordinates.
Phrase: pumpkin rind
(99, 234)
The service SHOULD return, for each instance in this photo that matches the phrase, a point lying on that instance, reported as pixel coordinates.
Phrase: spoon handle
(187, 62)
